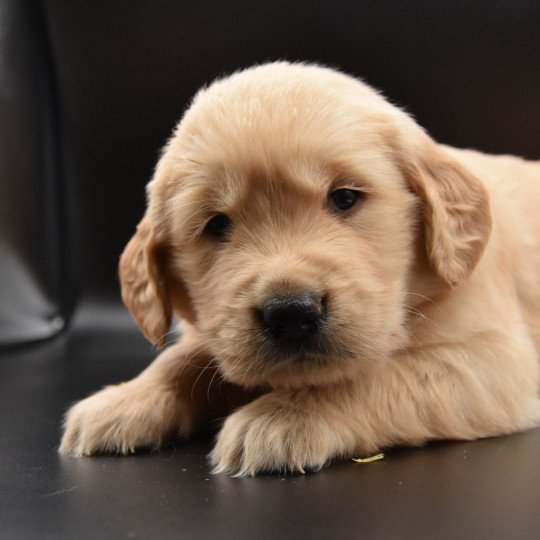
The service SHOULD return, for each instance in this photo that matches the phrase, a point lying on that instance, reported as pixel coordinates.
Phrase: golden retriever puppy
(371, 286)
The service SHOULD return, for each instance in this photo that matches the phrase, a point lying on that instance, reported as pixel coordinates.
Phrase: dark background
(89, 92)
(93, 89)
(125, 71)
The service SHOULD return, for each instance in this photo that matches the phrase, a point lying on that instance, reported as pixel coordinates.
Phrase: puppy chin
(293, 370)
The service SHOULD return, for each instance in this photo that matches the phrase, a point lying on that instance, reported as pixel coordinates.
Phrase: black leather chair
(89, 91)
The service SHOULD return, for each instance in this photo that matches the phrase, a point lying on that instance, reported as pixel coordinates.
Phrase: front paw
(270, 435)
(121, 418)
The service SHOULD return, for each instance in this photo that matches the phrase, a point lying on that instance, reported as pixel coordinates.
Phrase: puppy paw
(270, 435)
(121, 418)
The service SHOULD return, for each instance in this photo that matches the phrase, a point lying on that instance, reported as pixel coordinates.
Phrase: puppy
(343, 280)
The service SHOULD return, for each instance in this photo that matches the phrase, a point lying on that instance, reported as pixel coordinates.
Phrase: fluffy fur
(432, 281)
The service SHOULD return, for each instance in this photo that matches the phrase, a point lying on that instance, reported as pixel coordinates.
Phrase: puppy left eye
(343, 199)
(219, 226)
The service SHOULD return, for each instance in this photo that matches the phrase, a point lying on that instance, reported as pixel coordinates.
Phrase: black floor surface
(484, 489)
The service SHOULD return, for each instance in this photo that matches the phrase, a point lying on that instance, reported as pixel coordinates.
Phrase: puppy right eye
(219, 226)
(342, 200)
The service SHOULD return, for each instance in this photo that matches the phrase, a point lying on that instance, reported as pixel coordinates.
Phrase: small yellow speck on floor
(376, 457)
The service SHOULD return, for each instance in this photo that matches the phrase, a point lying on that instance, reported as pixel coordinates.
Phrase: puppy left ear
(142, 282)
(457, 217)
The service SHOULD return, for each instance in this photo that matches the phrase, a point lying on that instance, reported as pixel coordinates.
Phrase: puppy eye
(219, 226)
(344, 199)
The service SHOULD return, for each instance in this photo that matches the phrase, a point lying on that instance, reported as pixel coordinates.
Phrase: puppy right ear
(457, 216)
(143, 285)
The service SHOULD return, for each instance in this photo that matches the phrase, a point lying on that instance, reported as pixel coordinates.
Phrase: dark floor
(486, 489)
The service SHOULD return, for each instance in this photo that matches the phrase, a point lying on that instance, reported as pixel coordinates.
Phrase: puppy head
(283, 219)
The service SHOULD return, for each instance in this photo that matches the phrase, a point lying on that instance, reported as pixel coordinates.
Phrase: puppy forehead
(294, 157)
(229, 188)
(307, 169)
(234, 182)
(247, 134)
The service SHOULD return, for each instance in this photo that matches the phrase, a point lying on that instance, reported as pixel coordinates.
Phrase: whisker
(422, 296)
(210, 384)
(413, 311)
(155, 343)
(198, 378)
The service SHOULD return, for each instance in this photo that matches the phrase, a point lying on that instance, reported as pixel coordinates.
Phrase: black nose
(293, 318)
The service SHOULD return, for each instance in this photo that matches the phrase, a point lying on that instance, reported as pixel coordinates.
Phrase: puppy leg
(168, 399)
(444, 392)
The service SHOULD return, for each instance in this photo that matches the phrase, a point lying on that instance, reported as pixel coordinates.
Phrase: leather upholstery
(36, 290)
(89, 91)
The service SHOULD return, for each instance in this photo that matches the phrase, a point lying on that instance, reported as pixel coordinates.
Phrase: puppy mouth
(294, 351)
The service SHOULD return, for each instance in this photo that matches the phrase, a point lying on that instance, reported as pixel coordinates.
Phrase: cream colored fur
(432, 281)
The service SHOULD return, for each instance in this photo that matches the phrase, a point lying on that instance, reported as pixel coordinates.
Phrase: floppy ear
(143, 286)
(457, 216)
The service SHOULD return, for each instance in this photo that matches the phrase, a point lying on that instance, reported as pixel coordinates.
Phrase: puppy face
(283, 222)
(283, 281)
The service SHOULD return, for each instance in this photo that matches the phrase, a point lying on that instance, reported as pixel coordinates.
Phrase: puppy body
(430, 285)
